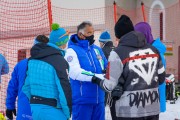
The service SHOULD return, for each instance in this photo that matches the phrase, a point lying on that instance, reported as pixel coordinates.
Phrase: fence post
(115, 12)
(143, 11)
(50, 13)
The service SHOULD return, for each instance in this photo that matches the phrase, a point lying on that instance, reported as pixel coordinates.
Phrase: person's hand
(9, 113)
(104, 71)
(117, 92)
(97, 78)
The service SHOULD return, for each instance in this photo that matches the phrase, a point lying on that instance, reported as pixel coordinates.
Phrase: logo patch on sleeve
(69, 58)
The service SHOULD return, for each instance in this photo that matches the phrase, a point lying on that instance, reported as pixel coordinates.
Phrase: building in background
(164, 18)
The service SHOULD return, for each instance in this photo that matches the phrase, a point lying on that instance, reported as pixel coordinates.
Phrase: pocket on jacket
(89, 89)
(75, 87)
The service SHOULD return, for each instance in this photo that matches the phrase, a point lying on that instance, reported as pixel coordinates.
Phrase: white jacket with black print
(142, 69)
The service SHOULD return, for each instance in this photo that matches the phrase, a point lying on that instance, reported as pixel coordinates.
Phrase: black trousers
(113, 111)
(170, 91)
(113, 115)
(154, 117)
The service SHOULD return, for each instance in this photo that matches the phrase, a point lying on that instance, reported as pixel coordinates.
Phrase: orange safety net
(24, 19)
(20, 21)
(70, 18)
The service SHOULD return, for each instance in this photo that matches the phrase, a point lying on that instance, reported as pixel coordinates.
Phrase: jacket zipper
(95, 71)
(88, 59)
(92, 61)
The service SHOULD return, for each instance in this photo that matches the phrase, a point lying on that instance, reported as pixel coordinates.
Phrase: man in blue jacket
(86, 62)
(14, 89)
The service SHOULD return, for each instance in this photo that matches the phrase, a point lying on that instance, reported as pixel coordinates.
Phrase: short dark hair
(83, 25)
(42, 39)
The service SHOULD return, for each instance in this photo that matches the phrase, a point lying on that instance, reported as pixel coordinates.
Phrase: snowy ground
(172, 113)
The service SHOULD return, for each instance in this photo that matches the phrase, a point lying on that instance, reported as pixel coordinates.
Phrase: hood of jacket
(133, 39)
(41, 50)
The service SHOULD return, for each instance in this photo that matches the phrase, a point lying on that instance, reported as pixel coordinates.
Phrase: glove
(104, 71)
(96, 80)
(117, 92)
(9, 113)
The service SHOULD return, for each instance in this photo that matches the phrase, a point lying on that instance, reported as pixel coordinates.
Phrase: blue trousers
(44, 112)
(162, 95)
(24, 108)
(88, 112)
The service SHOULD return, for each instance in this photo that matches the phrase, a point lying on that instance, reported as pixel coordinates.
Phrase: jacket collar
(56, 47)
(74, 40)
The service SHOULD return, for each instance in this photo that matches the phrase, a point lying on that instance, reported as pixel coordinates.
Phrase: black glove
(104, 71)
(117, 92)
(96, 80)
(9, 113)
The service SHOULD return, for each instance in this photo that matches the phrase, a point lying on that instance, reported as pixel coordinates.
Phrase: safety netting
(22, 20)
(70, 18)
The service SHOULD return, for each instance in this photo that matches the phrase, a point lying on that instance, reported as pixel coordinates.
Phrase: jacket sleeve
(26, 88)
(5, 66)
(64, 88)
(163, 60)
(75, 71)
(12, 90)
(115, 69)
(161, 71)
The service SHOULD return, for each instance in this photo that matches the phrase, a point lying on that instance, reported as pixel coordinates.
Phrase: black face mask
(90, 39)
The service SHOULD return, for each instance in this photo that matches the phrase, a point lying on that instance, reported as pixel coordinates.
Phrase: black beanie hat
(123, 26)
